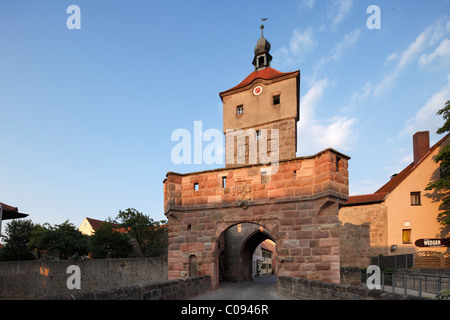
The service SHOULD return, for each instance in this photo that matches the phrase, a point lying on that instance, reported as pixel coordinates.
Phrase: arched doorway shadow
(236, 246)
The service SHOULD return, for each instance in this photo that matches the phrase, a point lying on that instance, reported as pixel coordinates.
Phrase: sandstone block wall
(180, 289)
(304, 289)
(281, 139)
(363, 234)
(40, 279)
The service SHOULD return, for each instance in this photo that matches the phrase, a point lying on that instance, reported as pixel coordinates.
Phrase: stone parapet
(301, 177)
(180, 289)
(304, 289)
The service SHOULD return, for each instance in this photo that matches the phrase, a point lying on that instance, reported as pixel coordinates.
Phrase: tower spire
(262, 57)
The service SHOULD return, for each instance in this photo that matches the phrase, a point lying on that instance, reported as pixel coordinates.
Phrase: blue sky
(87, 115)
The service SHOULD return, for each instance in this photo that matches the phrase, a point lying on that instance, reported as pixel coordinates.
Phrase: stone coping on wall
(178, 289)
(247, 203)
(304, 289)
(296, 159)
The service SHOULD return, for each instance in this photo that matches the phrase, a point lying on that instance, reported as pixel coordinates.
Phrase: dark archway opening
(237, 259)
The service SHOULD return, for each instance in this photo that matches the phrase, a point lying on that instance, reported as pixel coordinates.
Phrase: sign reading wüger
(432, 243)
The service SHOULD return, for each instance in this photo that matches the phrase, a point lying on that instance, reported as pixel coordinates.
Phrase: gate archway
(236, 248)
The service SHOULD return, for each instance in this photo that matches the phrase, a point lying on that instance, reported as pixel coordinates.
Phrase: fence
(431, 259)
(421, 259)
(421, 284)
(395, 262)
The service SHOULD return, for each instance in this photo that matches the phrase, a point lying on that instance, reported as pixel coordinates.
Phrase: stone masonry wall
(363, 234)
(327, 171)
(180, 289)
(304, 289)
(284, 143)
(298, 205)
(40, 279)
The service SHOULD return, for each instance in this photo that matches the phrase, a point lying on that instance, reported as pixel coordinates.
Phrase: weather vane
(262, 26)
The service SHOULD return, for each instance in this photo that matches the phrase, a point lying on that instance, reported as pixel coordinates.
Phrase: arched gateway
(294, 199)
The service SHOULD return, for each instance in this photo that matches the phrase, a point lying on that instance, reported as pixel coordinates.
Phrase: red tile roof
(265, 74)
(381, 194)
(366, 199)
(10, 212)
(95, 224)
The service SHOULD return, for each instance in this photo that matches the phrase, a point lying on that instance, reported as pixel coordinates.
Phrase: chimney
(421, 145)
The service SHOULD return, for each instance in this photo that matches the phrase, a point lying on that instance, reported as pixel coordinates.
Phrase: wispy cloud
(439, 58)
(338, 11)
(426, 118)
(316, 135)
(307, 4)
(301, 43)
(415, 53)
(348, 42)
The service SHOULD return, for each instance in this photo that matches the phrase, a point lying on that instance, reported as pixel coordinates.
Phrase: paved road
(261, 289)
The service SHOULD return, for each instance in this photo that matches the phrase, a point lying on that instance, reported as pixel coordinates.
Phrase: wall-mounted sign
(427, 243)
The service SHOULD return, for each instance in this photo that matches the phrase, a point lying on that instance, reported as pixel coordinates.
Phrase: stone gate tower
(264, 107)
(294, 200)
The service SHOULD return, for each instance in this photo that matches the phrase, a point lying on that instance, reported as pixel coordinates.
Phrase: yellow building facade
(391, 220)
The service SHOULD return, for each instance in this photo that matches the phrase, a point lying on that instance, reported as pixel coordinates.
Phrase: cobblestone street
(264, 288)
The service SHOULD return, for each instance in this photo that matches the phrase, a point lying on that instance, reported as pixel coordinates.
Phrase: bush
(108, 242)
(64, 241)
(18, 234)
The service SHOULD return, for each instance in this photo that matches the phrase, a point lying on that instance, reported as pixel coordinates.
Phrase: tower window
(224, 182)
(338, 162)
(264, 177)
(258, 135)
(415, 199)
(261, 61)
(240, 109)
(276, 100)
(195, 186)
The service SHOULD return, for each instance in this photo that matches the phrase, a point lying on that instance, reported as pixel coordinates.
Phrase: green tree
(441, 186)
(149, 235)
(63, 240)
(109, 242)
(18, 234)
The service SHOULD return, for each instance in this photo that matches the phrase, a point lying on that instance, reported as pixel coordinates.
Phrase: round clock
(257, 90)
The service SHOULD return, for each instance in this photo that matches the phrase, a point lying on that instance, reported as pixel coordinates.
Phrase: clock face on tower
(257, 90)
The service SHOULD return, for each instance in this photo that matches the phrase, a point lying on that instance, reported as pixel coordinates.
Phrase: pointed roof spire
(262, 57)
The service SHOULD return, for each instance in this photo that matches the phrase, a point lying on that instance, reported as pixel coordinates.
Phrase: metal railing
(421, 284)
